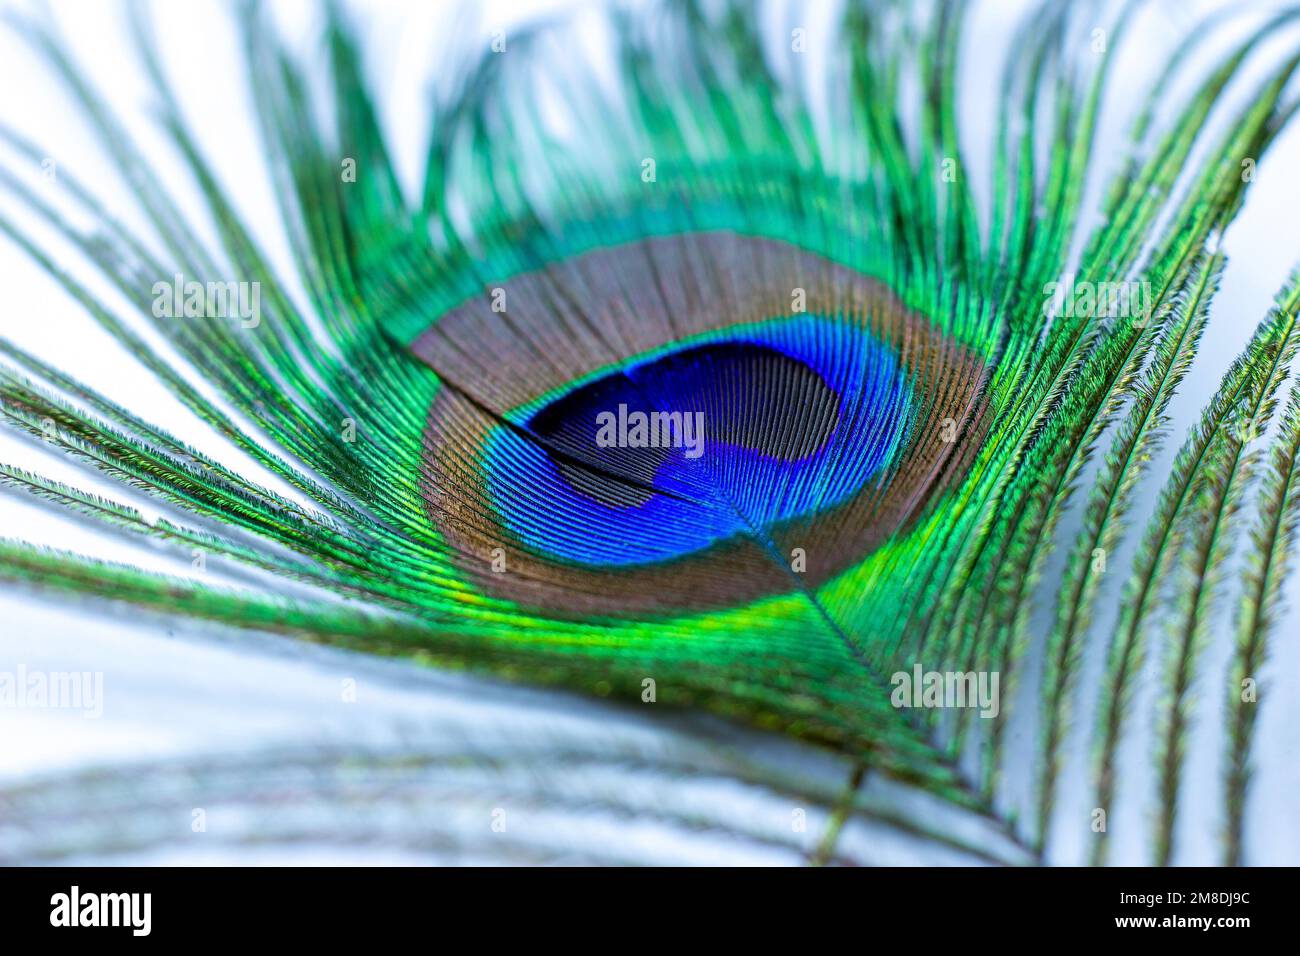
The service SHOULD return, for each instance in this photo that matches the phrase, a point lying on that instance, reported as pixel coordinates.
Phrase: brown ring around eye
(594, 312)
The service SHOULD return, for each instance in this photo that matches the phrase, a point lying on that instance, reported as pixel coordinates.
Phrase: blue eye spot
(761, 424)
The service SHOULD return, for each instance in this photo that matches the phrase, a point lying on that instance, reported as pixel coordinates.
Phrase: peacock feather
(718, 368)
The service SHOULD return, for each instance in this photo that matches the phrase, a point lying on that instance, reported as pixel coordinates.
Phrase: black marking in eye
(751, 396)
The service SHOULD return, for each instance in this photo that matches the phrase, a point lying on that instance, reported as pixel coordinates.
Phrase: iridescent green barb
(1111, 497)
(904, 386)
(1272, 541)
(1224, 470)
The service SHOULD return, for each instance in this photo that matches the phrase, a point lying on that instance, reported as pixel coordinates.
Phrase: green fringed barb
(903, 378)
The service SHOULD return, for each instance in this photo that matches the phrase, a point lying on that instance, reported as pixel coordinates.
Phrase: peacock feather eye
(630, 443)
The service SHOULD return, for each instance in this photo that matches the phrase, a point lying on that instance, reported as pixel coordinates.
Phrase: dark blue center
(785, 418)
